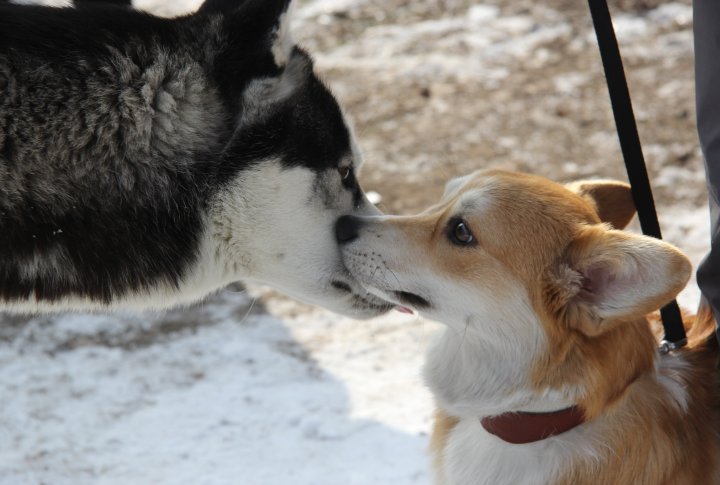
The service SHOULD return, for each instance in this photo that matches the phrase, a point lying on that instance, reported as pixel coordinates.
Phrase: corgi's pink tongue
(403, 309)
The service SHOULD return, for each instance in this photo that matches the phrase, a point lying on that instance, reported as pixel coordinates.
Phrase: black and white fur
(146, 162)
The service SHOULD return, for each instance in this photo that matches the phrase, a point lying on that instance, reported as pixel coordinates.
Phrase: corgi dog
(548, 371)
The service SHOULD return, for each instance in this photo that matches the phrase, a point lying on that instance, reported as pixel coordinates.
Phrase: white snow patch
(479, 45)
(671, 14)
(47, 3)
(630, 27)
(689, 229)
(168, 9)
(95, 399)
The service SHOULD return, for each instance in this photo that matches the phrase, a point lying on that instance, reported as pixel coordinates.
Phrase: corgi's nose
(346, 229)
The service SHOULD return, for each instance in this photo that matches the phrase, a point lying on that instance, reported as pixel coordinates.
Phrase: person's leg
(706, 18)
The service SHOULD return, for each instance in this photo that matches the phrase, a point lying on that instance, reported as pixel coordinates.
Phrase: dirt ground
(447, 107)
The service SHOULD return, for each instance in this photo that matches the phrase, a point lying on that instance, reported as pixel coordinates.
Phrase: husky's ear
(609, 276)
(611, 199)
(261, 16)
(261, 95)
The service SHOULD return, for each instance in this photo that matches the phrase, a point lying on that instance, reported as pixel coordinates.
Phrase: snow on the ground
(272, 393)
(223, 394)
(688, 229)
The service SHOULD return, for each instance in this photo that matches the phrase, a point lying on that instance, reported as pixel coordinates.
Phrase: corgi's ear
(611, 199)
(609, 276)
(253, 18)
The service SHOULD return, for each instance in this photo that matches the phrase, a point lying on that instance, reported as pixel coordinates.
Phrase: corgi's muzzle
(371, 266)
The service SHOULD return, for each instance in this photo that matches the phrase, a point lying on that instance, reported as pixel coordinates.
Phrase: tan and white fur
(546, 308)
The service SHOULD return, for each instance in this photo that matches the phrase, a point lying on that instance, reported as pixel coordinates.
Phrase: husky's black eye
(345, 172)
(459, 233)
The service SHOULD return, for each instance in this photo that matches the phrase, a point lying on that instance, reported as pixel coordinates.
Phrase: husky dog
(146, 162)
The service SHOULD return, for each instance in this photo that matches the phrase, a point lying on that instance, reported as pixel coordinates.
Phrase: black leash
(632, 153)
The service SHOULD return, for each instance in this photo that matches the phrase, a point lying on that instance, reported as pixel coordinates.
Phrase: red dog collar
(522, 427)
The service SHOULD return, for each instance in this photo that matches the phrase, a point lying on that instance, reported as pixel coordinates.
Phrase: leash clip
(667, 346)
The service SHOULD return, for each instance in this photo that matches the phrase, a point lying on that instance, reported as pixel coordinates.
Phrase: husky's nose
(346, 229)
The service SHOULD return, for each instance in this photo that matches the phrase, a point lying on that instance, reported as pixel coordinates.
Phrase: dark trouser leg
(707, 88)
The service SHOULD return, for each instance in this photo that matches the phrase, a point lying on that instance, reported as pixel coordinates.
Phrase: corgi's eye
(459, 233)
(345, 172)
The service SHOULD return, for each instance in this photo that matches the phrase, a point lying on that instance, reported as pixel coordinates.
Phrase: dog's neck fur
(474, 374)
(472, 378)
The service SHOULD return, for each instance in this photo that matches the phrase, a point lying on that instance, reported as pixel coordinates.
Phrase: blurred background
(252, 388)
